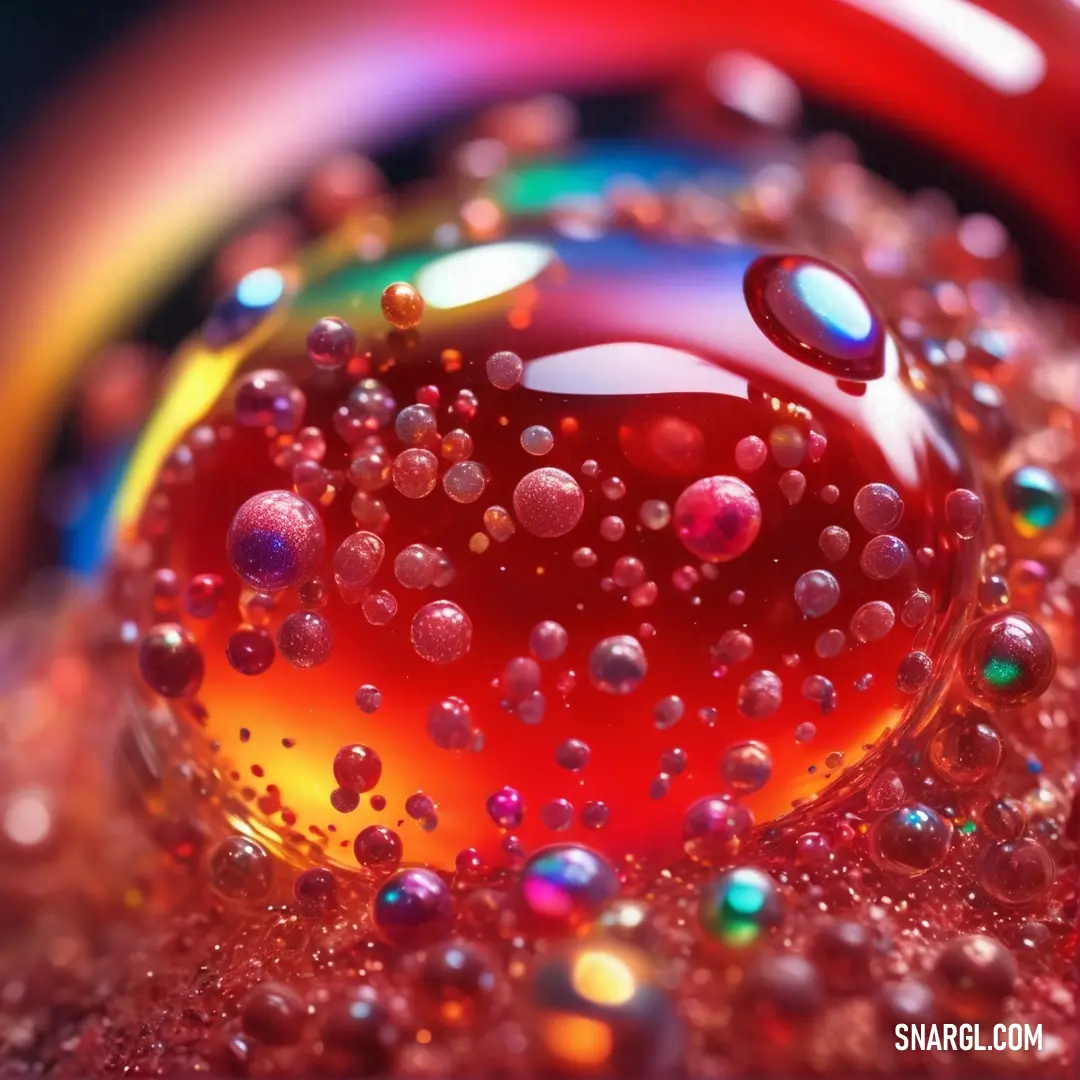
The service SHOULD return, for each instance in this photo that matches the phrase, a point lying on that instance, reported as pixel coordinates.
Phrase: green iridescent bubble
(1001, 672)
(739, 907)
(1035, 498)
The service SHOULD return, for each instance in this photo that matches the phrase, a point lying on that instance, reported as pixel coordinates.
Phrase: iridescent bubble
(750, 453)
(816, 593)
(457, 445)
(717, 518)
(654, 514)
(240, 869)
(886, 792)
(617, 664)
(747, 766)
(916, 609)
(872, 621)
(878, 508)
(612, 528)
(563, 889)
(368, 698)
(557, 815)
(413, 909)
(1017, 871)
(171, 661)
(673, 762)
(203, 595)
(548, 640)
(305, 639)
(598, 1008)
(357, 560)
(331, 343)
(733, 647)
(357, 768)
(595, 814)
(315, 890)
(1036, 499)
(499, 524)
(914, 672)
(465, 481)
(402, 305)
(238, 313)
(739, 908)
(441, 632)
(883, 557)
(531, 709)
(830, 644)
(449, 723)
(613, 488)
(548, 502)
(964, 512)
(269, 399)
(250, 650)
(415, 425)
(820, 690)
(506, 808)
(792, 486)
(520, 678)
(371, 404)
(370, 469)
(584, 558)
(760, 695)
(667, 712)
(834, 542)
(817, 314)
(379, 607)
(1007, 660)
(628, 571)
(344, 801)
(572, 755)
(537, 440)
(276, 539)
(910, 840)
(966, 749)
(715, 828)
(416, 566)
(504, 370)
(414, 472)
(356, 1027)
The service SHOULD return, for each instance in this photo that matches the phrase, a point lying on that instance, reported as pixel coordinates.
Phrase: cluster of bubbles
(597, 1003)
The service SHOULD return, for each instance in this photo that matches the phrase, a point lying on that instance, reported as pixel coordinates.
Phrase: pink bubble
(548, 502)
(357, 560)
(717, 518)
(441, 632)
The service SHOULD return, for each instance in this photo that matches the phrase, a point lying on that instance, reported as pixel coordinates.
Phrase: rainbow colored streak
(209, 111)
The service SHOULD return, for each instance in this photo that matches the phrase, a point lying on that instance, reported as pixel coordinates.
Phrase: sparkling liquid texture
(658, 621)
(642, 361)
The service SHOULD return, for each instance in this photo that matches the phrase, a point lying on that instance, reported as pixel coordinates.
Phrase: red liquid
(692, 333)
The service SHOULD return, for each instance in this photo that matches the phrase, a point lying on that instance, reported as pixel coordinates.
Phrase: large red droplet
(643, 523)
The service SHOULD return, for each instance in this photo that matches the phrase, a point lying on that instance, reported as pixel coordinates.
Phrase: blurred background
(155, 152)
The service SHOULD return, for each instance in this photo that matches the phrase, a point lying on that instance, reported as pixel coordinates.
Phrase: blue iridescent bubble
(413, 908)
(817, 314)
(564, 888)
(276, 539)
(243, 309)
